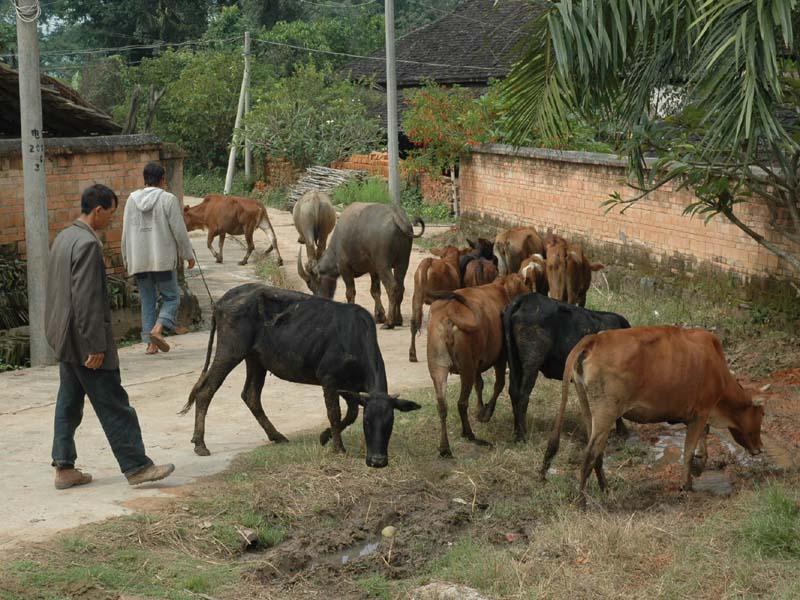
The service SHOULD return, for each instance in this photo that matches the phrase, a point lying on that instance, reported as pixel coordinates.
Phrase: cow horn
(300, 270)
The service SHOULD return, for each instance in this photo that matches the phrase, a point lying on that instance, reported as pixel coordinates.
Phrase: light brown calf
(555, 248)
(432, 275)
(465, 336)
(579, 274)
(234, 215)
(534, 270)
(652, 375)
(479, 271)
(515, 245)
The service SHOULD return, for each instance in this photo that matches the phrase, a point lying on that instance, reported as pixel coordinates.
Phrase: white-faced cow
(539, 334)
(302, 339)
(654, 375)
(369, 238)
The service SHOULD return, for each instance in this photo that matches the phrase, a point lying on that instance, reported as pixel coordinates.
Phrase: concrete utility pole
(391, 105)
(248, 148)
(239, 112)
(36, 229)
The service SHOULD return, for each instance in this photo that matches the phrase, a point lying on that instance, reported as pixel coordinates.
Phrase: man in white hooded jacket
(154, 243)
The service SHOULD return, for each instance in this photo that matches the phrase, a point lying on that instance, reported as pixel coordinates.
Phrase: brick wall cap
(86, 145)
(571, 156)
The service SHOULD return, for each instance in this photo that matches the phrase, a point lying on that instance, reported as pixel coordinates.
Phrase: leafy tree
(103, 83)
(8, 30)
(313, 118)
(734, 63)
(443, 122)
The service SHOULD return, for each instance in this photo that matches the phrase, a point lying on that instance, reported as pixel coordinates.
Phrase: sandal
(151, 349)
(159, 342)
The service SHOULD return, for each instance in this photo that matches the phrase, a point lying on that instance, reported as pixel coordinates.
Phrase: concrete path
(158, 386)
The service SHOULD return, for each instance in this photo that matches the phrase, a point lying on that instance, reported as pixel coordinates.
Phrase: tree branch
(793, 261)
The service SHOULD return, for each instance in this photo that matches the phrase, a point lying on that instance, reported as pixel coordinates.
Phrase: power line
(377, 58)
(325, 5)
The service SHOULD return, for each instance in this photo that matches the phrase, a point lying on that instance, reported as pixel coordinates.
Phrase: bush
(312, 118)
(772, 528)
(201, 183)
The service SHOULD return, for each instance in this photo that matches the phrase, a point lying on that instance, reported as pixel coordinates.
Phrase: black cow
(540, 333)
(302, 339)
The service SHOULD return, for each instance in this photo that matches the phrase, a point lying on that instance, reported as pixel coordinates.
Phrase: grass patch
(376, 190)
(268, 270)
(772, 527)
(212, 181)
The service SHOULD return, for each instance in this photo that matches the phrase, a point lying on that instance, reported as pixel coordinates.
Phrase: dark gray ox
(314, 218)
(369, 238)
(302, 339)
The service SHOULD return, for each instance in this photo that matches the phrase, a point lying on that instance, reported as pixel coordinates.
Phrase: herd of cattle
(516, 302)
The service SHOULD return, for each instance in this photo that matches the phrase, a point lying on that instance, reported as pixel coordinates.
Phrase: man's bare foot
(151, 349)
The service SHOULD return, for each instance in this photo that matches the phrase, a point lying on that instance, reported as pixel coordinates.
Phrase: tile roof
(477, 41)
(64, 112)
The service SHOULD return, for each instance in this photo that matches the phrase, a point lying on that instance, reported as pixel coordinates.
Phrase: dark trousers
(110, 403)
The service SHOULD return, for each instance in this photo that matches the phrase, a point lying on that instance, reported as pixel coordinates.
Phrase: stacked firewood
(322, 179)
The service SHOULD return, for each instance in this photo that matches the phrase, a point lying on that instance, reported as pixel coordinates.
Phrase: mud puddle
(360, 550)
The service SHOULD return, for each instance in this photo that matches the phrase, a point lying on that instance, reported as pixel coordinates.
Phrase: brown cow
(555, 248)
(234, 215)
(465, 336)
(515, 245)
(534, 270)
(479, 271)
(651, 375)
(579, 274)
(432, 275)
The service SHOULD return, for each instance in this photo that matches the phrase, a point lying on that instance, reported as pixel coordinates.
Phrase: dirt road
(158, 386)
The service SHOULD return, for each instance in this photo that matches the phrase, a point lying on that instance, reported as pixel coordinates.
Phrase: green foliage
(772, 527)
(313, 118)
(103, 83)
(442, 122)
(360, 33)
(375, 189)
(212, 181)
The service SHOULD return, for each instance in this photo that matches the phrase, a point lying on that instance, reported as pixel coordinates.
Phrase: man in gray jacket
(78, 328)
(154, 243)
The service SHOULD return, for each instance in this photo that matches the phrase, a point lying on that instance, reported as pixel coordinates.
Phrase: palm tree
(735, 65)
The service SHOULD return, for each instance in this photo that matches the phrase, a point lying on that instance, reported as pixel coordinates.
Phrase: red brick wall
(68, 173)
(563, 192)
(279, 172)
(375, 163)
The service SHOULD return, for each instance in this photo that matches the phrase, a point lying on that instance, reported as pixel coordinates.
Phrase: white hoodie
(153, 232)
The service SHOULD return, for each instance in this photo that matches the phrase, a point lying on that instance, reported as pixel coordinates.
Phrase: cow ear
(404, 405)
(185, 208)
(471, 243)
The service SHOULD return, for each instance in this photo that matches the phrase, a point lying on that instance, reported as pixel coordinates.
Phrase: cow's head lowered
(194, 217)
(745, 425)
(320, 277)
(378, 421)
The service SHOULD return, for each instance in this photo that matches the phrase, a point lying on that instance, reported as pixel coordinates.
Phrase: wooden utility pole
(239, 113)
(391, 105)
(36, 229)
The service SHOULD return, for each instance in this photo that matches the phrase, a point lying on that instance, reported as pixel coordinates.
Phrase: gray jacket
(154, 236)
(78, 321)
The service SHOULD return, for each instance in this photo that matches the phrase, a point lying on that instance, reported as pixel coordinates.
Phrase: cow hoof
(380, 318)
(387, 326)
(697, 466)
(446, 453)
(219, 260)
(519, 438)
(201, 451)
(484, 416)
(280, 262)
(412, 358)
(242, 263)
(279, 439)
(325, 437)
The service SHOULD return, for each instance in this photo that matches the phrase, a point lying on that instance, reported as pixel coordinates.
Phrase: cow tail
(193, 394)
(500, 250)
(421, 223)
(512, 354)
(555, 436)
